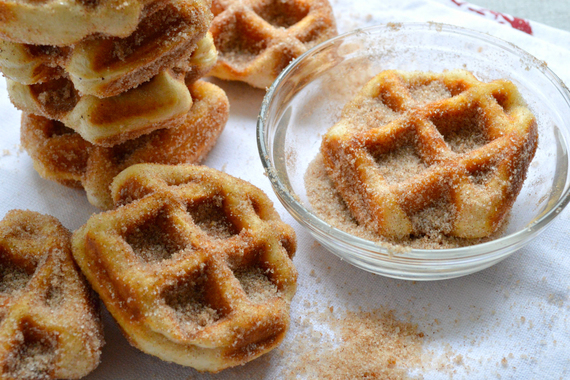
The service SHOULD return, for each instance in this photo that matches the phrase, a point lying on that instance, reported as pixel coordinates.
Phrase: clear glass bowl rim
(373, 251)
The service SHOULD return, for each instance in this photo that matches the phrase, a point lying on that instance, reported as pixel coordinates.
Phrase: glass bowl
(306, 100)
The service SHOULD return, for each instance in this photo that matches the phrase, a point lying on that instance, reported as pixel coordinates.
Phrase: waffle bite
(256, 39)
(50, 326)
(416, 153)
(65, 22)
(104, 67)
(162, 102)
(61, 155)
(195, 265)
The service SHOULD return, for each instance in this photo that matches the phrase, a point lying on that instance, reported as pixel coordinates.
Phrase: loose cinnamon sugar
(368, 345)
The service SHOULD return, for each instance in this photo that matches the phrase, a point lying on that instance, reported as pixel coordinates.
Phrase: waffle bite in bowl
(50, 326)
(195, 265)
(256, 39)
(62, 155)
(418, 152)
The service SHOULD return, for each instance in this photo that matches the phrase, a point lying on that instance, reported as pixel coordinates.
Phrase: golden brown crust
(256, 39)
(195, 265)
(50, 326)
(162, 102)
(62, 155)
(416, 152)
(102, 66)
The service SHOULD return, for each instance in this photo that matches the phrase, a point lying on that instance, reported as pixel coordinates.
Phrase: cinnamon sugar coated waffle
(162, 102)
(50, 326)
(61, 155)
(418, 152)
(65, 22)
(195, 266)
(202, 60)
(103, 66)
(256, 39)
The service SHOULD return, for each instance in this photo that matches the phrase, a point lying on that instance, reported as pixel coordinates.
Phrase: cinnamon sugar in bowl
(306, 101)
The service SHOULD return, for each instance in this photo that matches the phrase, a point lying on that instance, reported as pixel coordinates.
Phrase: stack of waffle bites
(108, 84)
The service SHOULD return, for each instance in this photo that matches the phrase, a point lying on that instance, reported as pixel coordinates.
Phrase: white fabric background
(478, 316)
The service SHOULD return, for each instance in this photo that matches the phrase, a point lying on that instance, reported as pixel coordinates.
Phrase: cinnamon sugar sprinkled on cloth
(368, 345)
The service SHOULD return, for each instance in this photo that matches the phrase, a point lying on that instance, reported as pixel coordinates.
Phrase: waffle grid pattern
(49, 320)
(431, 151)
(195, 266)
(256, 39)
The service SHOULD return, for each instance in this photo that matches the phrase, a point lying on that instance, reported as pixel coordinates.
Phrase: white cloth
(479, 316)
